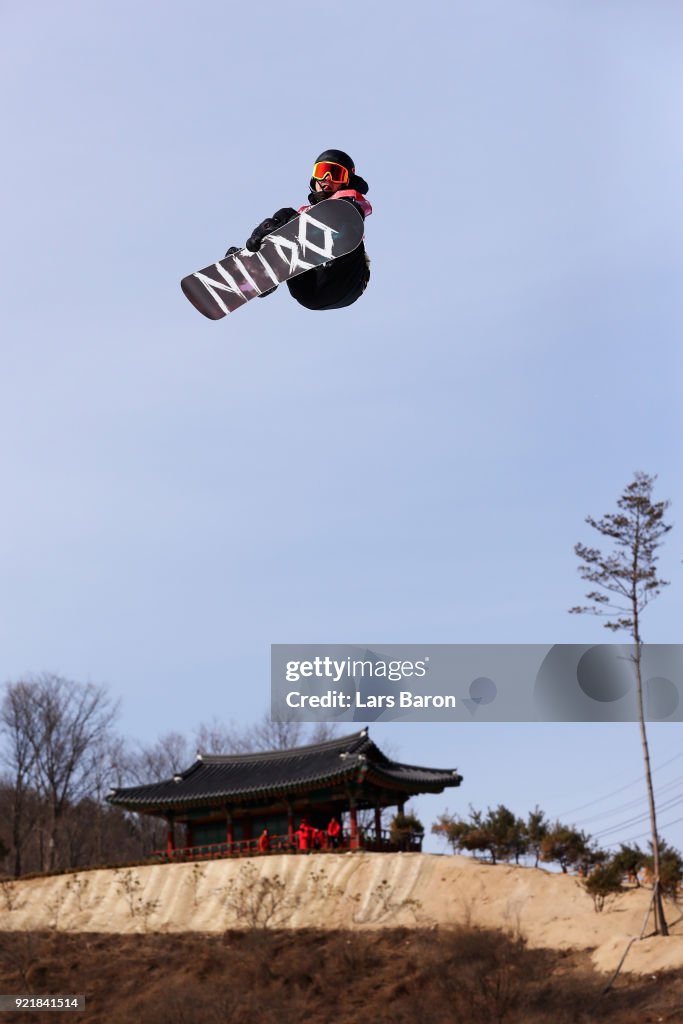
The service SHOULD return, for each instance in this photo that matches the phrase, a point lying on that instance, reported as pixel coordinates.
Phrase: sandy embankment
(350, 890)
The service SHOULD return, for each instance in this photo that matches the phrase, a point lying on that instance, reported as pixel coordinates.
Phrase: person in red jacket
(304, 835)
(264, 841)
(342, 281)
(333, 833)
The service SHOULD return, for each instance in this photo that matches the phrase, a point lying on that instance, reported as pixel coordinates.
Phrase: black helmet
(338, 156)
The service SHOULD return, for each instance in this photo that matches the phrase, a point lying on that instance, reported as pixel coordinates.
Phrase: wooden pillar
(290, 823)
(354, 826)
(402, 807)
(378, 827)
(170, 841)
(229, 831)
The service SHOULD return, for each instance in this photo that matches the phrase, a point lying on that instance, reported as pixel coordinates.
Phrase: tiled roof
(232, 777)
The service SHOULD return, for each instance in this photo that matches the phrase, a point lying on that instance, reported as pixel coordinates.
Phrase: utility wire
(628, 785)
(637, 802)
(667, 804)
(648, 834)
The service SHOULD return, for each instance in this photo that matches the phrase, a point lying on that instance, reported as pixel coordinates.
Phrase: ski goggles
(336, 172)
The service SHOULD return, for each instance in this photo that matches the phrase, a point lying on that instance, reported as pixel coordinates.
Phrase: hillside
(339, 891)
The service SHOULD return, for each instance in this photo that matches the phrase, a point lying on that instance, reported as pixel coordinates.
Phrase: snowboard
(327, 230)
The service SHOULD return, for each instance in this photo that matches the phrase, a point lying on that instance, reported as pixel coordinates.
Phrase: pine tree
(626, 579)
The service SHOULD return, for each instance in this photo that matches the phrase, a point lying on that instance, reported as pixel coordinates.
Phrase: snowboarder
(340, 282)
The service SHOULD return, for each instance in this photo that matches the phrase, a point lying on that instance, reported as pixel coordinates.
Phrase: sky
(179, 494)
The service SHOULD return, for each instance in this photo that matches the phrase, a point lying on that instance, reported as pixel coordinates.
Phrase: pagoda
(224, 801)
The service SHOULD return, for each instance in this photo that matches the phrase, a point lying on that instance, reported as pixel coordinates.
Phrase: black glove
(278, 219)
(284, 215)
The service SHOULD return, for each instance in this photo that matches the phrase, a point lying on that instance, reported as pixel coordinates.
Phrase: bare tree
(273, 734)
(322, 731)
(110, 767)
(17, 725)
(62, 723)
(167, 757)
(215, 737)
(626, 580)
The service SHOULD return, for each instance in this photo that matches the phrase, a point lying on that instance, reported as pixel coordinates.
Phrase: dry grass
(397, 976)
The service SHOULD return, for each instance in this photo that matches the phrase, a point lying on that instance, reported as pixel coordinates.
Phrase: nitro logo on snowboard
(288, 251)
(299, 245)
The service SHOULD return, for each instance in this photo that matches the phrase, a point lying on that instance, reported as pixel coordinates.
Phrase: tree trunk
(661, 927)
(17, 829)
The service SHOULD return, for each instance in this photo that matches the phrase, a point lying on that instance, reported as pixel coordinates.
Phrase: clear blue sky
(178, 494)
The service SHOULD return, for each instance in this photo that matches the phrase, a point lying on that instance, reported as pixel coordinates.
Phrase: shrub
(402, 827)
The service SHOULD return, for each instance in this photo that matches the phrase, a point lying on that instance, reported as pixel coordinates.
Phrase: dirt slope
(358, 890)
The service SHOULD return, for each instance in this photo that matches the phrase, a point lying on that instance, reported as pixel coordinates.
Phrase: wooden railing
(367, 840)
